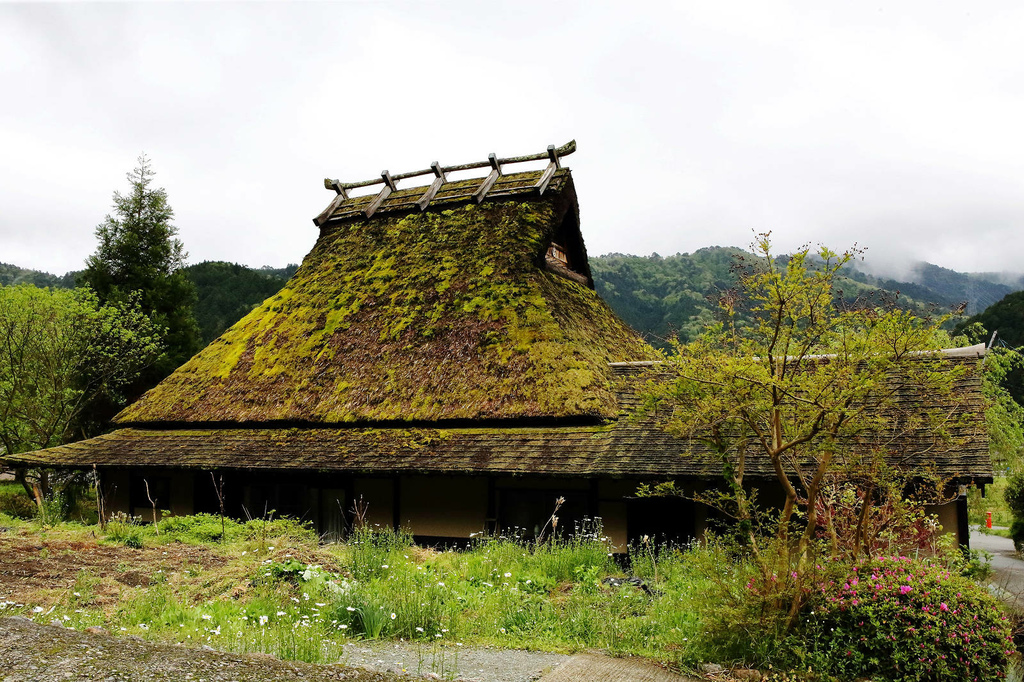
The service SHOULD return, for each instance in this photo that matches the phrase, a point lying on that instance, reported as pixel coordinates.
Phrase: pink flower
(905, 588)
(943, 607)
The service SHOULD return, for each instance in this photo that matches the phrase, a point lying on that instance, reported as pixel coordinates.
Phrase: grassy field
(991, 502)
(271, 587)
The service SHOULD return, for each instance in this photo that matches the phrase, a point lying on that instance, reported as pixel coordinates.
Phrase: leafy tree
(61, 351)
(665, 297)
(808, 385)
(139, 252)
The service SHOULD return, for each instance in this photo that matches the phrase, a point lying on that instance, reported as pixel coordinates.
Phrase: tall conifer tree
(139, 251)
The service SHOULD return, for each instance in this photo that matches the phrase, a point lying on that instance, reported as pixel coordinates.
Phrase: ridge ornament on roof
(479, 193)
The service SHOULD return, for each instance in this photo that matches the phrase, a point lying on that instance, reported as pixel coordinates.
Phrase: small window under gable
(557, 252)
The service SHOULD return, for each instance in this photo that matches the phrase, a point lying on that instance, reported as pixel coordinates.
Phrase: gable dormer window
(558, 253)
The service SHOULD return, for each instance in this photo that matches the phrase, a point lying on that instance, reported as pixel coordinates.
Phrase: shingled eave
(630, 447)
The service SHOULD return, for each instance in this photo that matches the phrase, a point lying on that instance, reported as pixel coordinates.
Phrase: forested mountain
(658, 296)
(942, 285)
(227, 291)
(661, 296)
(12, 274)
(1006, 317)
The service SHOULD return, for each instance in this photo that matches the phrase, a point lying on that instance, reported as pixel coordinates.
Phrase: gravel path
(31, 652)
(472, 663)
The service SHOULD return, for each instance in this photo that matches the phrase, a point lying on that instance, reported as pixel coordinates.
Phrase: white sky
(893, 125)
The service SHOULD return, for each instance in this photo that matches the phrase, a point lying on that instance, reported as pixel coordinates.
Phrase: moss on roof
(444, 314)
(627, 447)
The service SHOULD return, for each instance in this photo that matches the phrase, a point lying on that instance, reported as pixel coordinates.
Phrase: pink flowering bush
(898, 618)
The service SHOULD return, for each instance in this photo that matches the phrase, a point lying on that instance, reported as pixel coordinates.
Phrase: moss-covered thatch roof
(446, 314)
(625, 448)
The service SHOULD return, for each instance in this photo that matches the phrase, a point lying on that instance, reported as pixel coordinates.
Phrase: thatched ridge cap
(497, 184)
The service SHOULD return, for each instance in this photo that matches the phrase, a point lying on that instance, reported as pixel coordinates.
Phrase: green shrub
(125, 530)
(15, 502)
(1017, 533)
(897, 618)
(199, 528)
(1014, 495)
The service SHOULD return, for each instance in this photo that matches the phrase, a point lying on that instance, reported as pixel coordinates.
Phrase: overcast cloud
(893, 126)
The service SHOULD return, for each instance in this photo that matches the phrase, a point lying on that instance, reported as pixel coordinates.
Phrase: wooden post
(152, 503)
(549, 172)
(385, 192)
(489, 181)
(219, 489)
(428, 196)
(100, 511)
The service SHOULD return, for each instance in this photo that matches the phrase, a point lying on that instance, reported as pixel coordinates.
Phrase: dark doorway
(663, 519)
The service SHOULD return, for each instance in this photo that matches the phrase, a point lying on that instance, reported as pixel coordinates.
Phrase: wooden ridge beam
(326, 214)
(428, 196)
(549, 172)
(489, 181)
(385, 192)
(558, 152)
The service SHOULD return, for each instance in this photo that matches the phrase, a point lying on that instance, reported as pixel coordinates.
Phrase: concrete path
(1007, 581)
(588, 667)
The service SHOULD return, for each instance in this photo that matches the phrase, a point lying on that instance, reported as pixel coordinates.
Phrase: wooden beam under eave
(384, 193)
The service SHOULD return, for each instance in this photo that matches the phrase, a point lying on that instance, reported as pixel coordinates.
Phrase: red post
(988, 519)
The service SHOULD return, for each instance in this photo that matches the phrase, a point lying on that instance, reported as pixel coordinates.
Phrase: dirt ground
(42, 569)
(45, 653)
(38, 570)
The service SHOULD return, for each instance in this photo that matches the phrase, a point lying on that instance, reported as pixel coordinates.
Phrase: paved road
(1007, 580)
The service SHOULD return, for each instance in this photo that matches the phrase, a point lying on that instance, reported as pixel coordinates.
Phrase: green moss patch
(445, 314)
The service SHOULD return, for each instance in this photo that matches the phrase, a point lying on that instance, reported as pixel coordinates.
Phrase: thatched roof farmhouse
(440, 353)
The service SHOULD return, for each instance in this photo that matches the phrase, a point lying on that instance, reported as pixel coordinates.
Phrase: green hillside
(659, 296)
(228, 291)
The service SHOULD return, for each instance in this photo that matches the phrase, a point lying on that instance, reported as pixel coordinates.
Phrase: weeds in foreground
(296, 600)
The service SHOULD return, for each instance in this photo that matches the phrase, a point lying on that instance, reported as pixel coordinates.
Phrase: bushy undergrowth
(15, 502)
(897, 618)
(281, 593)
(200, 529)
